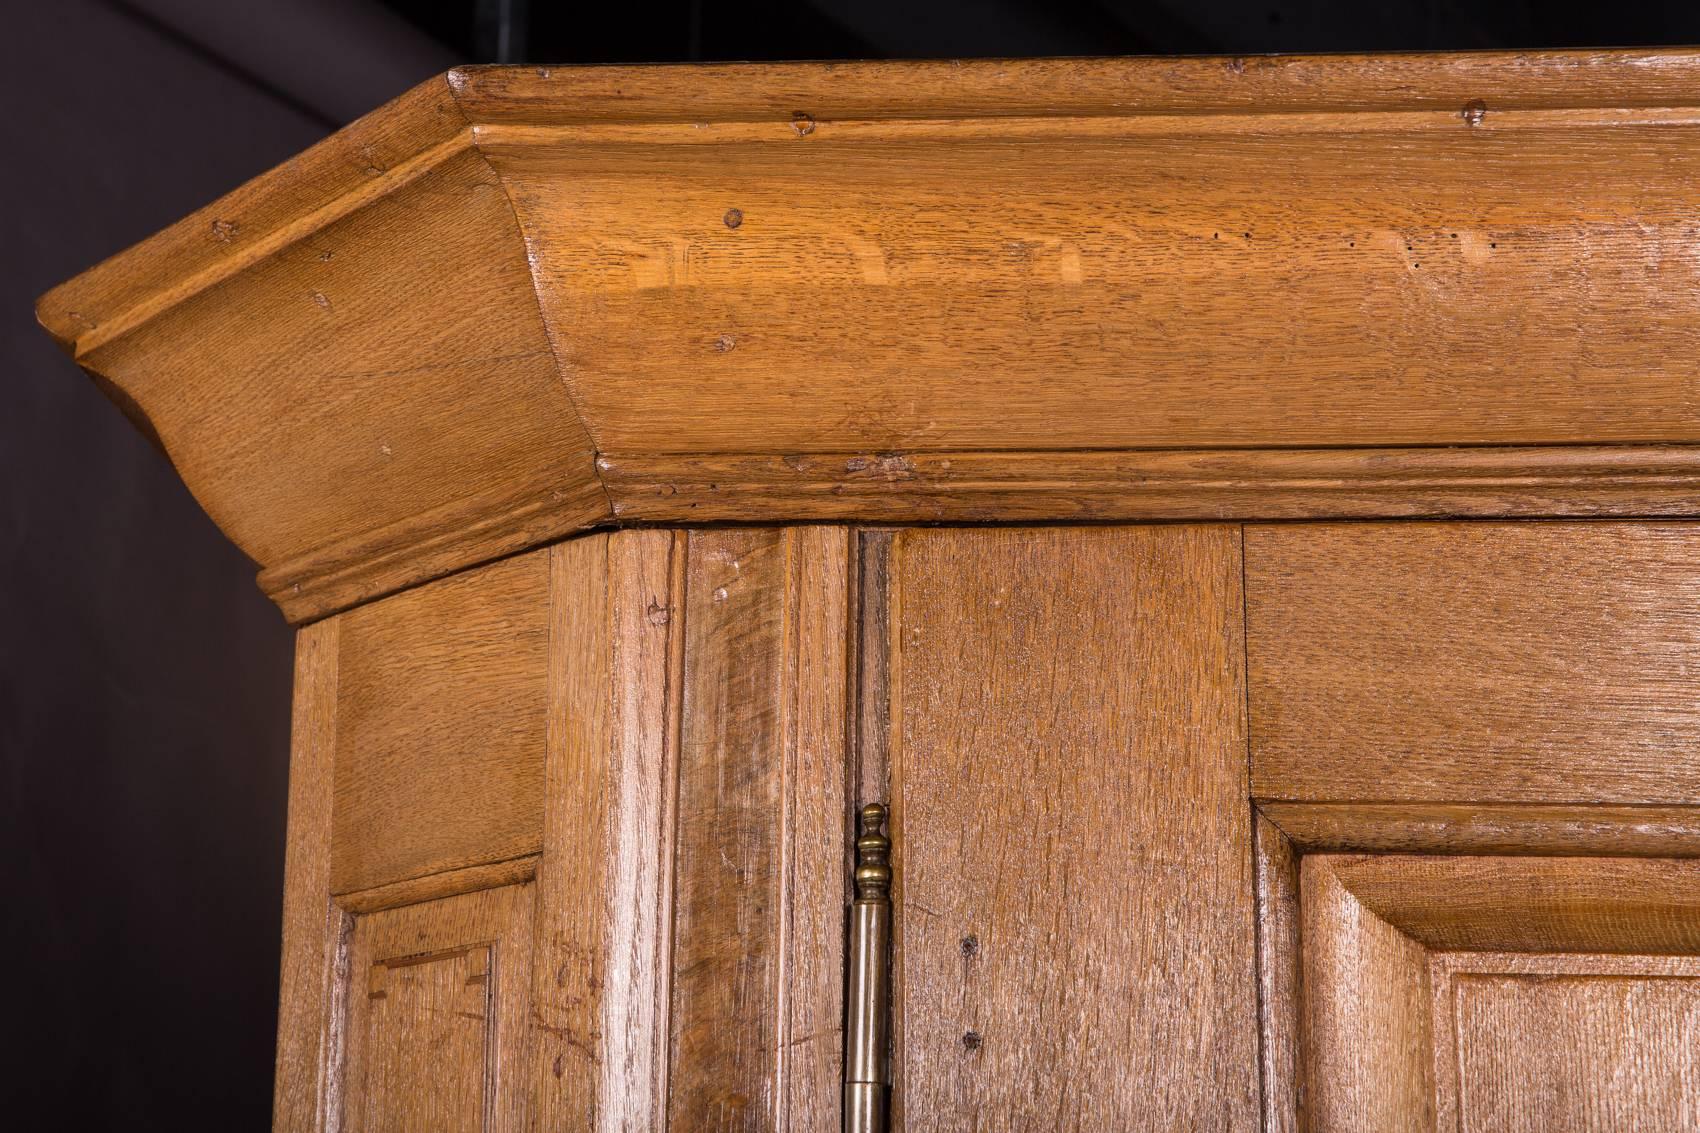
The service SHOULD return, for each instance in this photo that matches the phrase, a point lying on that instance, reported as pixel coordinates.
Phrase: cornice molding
(519, 303)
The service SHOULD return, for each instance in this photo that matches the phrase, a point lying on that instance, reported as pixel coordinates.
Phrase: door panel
(1530, 1044)
(1474, 662)
(1068, 778)
(438, 1005)
(1509, 993)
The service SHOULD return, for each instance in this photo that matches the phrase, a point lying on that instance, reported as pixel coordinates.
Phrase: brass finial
(873, 856)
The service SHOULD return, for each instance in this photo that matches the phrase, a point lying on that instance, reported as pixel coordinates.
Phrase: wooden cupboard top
(521, 302)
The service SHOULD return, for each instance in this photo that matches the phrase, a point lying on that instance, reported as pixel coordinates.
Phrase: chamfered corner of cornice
(519, 303)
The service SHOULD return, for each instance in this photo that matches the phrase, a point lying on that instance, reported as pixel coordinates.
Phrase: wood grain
(1584, 1043)
(1531, 904)
(436, 886)
(761, 858)
(380, 380)
(441, 717)
(305, 1088)
(1383, 483)
(1488, 828)
(1073, 847)
(600, 992)
(1280, 980)
(1100, 311)
(1474, 663)
(399, 356)
(957, 89)
(1368, 1046)
(438, 1002)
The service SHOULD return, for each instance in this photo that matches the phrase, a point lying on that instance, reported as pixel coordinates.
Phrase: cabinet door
(1473, 751)
(1074, 918)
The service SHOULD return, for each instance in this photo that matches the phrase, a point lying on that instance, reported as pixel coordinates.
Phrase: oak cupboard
(1236, 515)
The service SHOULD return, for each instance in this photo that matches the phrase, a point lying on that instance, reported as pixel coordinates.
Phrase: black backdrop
(144, 682)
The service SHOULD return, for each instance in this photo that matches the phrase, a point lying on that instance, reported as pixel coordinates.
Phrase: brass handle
(867, 1038)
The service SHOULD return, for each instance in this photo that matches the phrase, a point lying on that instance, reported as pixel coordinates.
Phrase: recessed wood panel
(440, 725)
(1536, 1044)
(1534, 662)
(438, 997)
(761, 859)
(1498, 993)
(1073, 845)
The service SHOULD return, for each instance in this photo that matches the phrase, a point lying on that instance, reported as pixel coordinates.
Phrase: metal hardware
(867, 1038)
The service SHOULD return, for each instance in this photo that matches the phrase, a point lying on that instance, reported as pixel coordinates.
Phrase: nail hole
(971, 1041)
(970, 945)
(734, 217)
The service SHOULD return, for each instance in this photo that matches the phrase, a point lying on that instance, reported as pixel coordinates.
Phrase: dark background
(144, 681)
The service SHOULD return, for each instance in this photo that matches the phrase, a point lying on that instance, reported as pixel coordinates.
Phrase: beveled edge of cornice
(451, 114)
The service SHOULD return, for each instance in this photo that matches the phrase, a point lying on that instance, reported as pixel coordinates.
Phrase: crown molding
(518, 303)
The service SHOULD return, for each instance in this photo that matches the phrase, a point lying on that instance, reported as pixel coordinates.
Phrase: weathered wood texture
(1279, 978)
(1531, 904)
(307, 1083)
(1531, 1044)
(1073, 847)
(440, 724)
(452, 744)
(1368, 1051)
(1474, 663)
(1474, 992)
(519, 303)
(1488, 828)
(761, 856)
(605, 887)
(437, 1015)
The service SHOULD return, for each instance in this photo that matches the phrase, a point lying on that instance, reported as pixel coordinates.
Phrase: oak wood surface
(943, 297)
(1498, 992)
(603, 951)
(1384, 483)
(1527, 1044)
(1488, 828)
(1074, 894)
(1531, 904)
(1279, 978)
(440, 727)
(761, 854)
(306, 1086)
(1474, 663)
(438, 1002)
(1367, 996)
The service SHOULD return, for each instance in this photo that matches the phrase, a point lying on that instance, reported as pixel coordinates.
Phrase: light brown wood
(1488, 828)
(438, 1002)
(306, 1087)
(873, 674)
(1531, 904)
(1279, 978)
(1538, 1043)
(920, 486)
(436, 886)
(1368, 1051)
(511, 306)
(1474, 663)
(441, 716)
(1073, 849)
(1478, 992)
(600, 993)
(757, 989)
